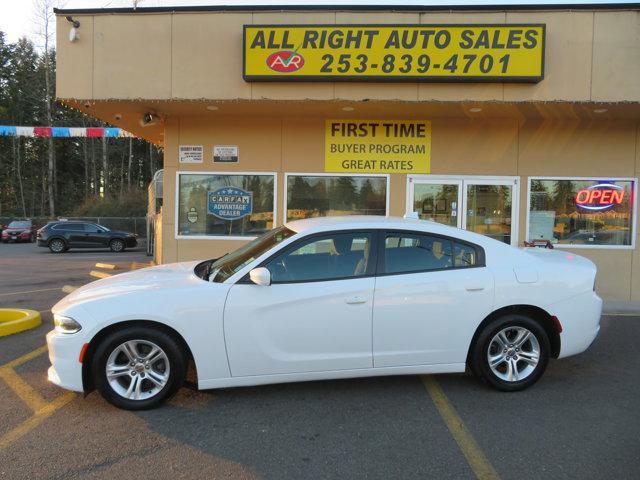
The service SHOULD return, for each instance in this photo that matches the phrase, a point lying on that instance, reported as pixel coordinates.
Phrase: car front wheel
(57, 246)
(138, 368)
(116, 245)
(511, 353)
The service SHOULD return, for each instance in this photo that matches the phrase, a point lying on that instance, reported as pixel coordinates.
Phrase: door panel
(299, 327)
(489, 210)
(438, 201)
(429, 318)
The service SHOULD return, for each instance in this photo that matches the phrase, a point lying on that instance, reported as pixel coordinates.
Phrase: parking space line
(32, 422)
(25, 358)
(475, 457)
(29, 291)
(25, 391)
(68, 288)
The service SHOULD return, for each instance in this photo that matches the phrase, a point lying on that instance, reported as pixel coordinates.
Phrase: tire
(157, 382)
(117, 245)
(57, 245)
(520, 349)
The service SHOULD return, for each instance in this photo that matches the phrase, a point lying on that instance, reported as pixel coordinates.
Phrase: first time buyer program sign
(409, 53)
(377, 146)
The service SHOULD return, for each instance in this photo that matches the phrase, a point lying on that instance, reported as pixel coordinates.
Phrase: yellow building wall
(459, 147)
(589, 56)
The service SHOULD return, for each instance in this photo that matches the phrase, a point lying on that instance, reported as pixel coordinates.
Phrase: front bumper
(131, 242)
(64, 355)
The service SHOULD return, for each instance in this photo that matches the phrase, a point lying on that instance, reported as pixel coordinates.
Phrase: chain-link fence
(137, 225)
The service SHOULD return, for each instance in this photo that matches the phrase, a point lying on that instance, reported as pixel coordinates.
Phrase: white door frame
(463, 181)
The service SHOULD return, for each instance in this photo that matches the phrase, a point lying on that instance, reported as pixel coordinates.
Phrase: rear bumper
(64, 355)
(580, 320)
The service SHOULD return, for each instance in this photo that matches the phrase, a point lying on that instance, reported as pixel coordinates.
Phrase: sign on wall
(225, 154)
(377, 146)
(410, 53)
(230, 203)
(190, 153)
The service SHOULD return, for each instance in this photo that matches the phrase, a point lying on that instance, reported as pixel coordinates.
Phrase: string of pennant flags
(63, 132)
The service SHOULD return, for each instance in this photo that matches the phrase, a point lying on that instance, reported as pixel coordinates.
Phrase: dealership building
(521, 123)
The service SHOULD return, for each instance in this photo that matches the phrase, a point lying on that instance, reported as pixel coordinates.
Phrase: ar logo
(285, 61)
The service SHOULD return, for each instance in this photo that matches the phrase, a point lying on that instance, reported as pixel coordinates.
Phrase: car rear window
(406, 252)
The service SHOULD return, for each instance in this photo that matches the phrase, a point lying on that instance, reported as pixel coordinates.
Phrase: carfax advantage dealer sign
(410, 53)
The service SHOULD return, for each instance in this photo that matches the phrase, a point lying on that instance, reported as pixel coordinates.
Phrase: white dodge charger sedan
(328, 298)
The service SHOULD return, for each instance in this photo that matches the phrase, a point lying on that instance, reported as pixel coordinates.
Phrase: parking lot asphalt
(581, 420)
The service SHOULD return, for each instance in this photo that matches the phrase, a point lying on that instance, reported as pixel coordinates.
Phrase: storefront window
(582, 212)
(225, 204)
(324, 196)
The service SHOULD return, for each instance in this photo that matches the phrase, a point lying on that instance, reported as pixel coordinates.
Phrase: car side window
(327, 257)
(71, 227)
(464, 255)
(91, 228)
(408, 252)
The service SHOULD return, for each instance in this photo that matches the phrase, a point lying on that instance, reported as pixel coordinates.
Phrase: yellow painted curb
(108, 266)
(13, 320)
(95, 273)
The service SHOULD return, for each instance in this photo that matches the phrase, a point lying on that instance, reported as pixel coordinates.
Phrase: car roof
(321, 224)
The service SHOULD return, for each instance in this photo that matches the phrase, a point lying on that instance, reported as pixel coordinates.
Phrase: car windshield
(100, 227)
(20, 225)
(224, 267)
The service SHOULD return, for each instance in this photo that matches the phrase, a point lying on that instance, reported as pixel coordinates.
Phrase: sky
(17, 17)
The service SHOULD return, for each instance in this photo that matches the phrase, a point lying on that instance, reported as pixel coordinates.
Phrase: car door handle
(474, 288)
(356, 299)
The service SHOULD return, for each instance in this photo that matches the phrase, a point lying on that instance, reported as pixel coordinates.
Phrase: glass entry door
(438, 201)
(478, 204)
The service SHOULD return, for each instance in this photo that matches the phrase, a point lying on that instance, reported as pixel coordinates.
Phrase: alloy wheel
(57, 246)
(513, 354)
(117, 245)
(137, 369)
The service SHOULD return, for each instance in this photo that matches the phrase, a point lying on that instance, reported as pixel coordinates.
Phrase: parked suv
(61, 236)
(19, 231)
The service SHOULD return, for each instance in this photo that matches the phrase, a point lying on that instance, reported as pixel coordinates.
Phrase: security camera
(117, 116)
(148, 119)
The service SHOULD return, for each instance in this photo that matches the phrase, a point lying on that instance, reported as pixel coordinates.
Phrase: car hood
(172, 275)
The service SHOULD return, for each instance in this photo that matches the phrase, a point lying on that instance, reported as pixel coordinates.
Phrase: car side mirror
(260, 276)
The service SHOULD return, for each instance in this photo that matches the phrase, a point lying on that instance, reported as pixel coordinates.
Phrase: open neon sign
(600, 197)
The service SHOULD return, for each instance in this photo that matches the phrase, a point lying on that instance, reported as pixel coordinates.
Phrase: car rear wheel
(116, 245)
(138, 368)
(57, 245)
(511, 353)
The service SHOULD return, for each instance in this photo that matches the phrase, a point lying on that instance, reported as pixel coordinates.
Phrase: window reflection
(323, 196)
(581, 212)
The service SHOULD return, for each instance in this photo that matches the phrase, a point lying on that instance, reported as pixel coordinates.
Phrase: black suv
(61, 236)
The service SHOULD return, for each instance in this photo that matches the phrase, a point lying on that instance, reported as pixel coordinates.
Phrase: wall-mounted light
(600, 110)
(73, 33)
(348, 109)
(475, 109)
(212, 108)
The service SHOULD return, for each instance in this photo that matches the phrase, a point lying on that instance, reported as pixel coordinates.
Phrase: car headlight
(66, 324)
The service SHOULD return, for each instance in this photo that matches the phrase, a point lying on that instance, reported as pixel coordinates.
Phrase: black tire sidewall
(170, 346)
(481, 364)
